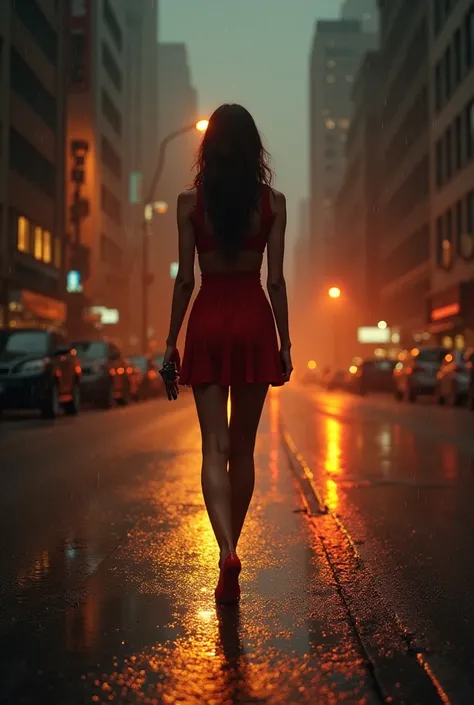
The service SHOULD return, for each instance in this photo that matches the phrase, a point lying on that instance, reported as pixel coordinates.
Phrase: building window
(38, 249)
(111, 67)
(110, 158)
(438, 85)
(439, 163)
(439, 241)
(27, 85)
(469, 37)
(458, 143)
(438, 15)
(470, 213)
(330, 124)
(110, 205)
(457, 56)
(448, 144)
(113, 25)
(30, 164)
(32, 17)
(469, 118)
(47, 247)
(110, 112)
(23, 234)
(459, 225)
(57, 253)
(447, 73)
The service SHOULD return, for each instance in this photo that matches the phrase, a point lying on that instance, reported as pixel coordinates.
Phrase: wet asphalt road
(400, 478)
(108, 566)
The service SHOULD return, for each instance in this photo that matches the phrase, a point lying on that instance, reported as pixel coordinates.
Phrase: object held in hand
(169, 374)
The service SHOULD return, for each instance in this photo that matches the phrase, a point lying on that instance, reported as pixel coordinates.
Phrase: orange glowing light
(129, 370)
(121, 370)
(334, 292)
(312, 364)
(202, 125)
(78, 370)
(353, 369)
(112, 371)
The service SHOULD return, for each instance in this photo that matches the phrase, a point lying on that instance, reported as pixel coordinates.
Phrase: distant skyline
(255, 52)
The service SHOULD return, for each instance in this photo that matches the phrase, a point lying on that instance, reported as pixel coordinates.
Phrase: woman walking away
(230, 217)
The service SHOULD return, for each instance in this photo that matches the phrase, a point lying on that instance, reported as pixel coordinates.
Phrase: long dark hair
(232, 165)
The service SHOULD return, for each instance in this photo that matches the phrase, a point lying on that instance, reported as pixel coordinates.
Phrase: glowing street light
(382, 325)
(312, 365)
(202, 125)
(334, 292)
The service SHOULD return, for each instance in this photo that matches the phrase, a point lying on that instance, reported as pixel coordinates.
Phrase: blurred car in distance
(416, 373)
(372, 375)
(150, 381)
(454, 377)
(106, 376)
(38, 370)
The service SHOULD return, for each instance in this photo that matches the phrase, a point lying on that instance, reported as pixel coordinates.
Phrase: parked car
(107, 377)
(38, 371)
(150, 384)
(453, 378)
(372, 375)
(416, 374)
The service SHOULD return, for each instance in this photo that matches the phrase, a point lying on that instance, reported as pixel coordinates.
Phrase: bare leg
(246, 409)
(211, 404)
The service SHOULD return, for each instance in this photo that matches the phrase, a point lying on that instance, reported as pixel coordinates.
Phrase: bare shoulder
(279, 201)
(187, 201)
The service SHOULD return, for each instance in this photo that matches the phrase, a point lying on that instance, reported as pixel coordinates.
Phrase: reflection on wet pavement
(401, 480)
(143, 628)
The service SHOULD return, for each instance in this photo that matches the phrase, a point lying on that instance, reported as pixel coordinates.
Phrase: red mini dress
(231, 337)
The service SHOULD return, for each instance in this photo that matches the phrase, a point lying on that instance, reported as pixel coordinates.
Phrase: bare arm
(184, 283)
(276, 284)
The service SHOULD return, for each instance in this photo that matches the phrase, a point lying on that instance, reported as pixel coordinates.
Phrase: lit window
(57, 253)
(330, 124)
(47, 253)
(38, 243)
(23, 234)
(330, 78)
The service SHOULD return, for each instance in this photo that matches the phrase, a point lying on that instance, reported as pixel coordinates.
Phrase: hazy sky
(255, 52)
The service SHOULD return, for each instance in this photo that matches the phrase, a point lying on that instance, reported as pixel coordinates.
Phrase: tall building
(404, 245)
(300, 289)
(354, 261)
(337, 52)
(451, 75)
(141, 144)
(177, 109)
(363, 10)
(96, 136)
(32, 134)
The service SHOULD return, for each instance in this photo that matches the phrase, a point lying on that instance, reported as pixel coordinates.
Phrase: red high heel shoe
(228, 589)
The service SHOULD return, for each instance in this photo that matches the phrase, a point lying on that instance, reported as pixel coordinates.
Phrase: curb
(400, 670)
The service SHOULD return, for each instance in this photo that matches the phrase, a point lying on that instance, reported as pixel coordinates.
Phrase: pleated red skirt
(231, 337)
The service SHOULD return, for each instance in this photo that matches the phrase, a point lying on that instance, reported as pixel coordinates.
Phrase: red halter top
(205, 241)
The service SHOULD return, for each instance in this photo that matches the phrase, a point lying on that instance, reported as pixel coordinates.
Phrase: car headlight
(33, 367)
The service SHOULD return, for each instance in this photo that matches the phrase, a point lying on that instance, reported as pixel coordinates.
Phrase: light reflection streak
(332, 463)
(274, 413)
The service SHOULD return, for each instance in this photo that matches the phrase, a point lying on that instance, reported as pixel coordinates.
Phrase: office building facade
(451, 74)
(338, 49)
(32, 164)
(404, 245)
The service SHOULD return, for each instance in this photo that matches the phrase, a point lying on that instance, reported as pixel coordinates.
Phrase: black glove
(169, 374)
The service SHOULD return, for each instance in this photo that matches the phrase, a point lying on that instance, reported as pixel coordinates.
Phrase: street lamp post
(334, 294)
(148, 211)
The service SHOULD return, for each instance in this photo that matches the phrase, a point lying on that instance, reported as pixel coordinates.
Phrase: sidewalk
(148, 631)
